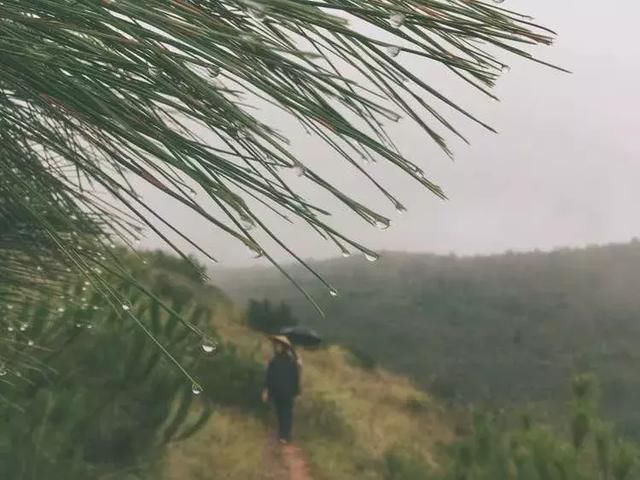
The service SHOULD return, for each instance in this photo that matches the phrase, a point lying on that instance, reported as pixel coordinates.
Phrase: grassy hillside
(350, 421)
(501, 330)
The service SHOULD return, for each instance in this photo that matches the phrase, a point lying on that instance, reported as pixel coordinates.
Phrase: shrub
(401, 464)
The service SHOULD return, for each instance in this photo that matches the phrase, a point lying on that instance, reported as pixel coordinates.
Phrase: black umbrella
(302, 336)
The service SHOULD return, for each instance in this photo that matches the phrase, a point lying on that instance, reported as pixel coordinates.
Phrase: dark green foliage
(493, 451)
(232, 379)
(500, 330)
(85, 393)
(400, 464)
(362, 359)
(264, 317)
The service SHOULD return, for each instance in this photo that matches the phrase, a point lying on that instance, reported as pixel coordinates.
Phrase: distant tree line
(264, 317)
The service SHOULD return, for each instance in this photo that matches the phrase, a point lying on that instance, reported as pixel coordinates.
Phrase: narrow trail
(295, 463)
(285, 462)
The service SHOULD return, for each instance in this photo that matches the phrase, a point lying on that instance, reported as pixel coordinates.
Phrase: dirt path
(287, 460)
(295, 463)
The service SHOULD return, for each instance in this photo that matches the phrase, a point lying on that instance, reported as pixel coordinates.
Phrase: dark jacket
(283, 376)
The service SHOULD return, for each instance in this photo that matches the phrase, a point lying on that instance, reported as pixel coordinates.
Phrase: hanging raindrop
(60, 309)
(300, 170)
(383, 224)
(333, 292)
(30, 343)
(125, 307)
(393, 51)
(3, 370)
(24, 326)
(400, 208)
(208, 346)
(196, 389)
(10, 328)
(397, 20)
(371, 257)
(247, 222)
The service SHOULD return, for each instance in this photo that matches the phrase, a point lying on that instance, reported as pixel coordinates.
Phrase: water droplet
(10, 328)
(333, 292)
(95, 307)
(60, 309)
(208, 346)
(113, 245)
(505, 68)
(196, 389)
(86, 282)
(84, 289)
(247, 222)
(256, 252)
(498, 1)
(10, 307)
(300, 170)
(89, 326)
(383, 224)
(397, 20)
(39, 268)
(24, 326)
(78, 325)
(393, 51)
(400, 208)
(193, 193)
(30, 343)
(345, 253)
(3, 370)
(372, 257)
(126, 307)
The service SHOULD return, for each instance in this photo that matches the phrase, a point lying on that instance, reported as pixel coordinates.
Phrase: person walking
(282, 384)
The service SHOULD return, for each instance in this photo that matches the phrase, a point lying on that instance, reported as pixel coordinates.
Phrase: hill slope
(349, 421)
(501, 329)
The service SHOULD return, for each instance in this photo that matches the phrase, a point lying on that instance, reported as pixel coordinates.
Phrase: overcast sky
(563, 170)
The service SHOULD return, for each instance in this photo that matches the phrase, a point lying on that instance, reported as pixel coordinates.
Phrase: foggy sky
(563, 170)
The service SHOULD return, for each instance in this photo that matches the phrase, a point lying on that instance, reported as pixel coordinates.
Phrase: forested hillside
(497, 330)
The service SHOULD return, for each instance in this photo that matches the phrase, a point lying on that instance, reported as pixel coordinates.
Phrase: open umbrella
(303, 336)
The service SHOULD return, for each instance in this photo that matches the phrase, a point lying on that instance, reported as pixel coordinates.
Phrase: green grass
(352, 422)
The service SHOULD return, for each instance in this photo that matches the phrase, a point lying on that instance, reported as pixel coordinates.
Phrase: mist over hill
(498, 330)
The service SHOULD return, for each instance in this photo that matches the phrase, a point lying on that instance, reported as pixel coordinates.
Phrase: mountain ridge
(512, 327)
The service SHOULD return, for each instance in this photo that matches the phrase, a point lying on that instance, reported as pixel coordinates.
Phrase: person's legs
(287, 422)
(284, 410)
